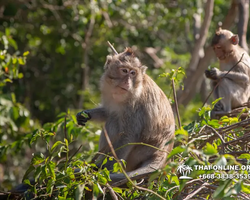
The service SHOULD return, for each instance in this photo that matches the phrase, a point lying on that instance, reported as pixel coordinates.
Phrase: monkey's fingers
(207, 73)
(81, 122)
(81, 118)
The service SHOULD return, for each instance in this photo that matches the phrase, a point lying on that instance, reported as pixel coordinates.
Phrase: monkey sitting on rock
(135, 110)
(233, 87)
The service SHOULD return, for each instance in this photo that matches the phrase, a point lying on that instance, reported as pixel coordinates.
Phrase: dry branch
(113, 49)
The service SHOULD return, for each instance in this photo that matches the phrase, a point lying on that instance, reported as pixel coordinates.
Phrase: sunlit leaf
(210, 149)
(26, 53)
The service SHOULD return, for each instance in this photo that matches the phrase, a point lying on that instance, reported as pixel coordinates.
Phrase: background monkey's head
(123, 77)
(224, 42)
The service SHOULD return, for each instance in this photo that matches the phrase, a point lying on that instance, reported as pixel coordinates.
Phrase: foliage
(54, 175)
(45, 46)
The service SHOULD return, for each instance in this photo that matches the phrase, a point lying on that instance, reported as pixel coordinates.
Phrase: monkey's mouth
(222, 57)
(123, 88)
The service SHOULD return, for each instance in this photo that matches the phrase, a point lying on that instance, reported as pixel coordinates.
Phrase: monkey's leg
(224, 106)
(147, 167)
(147, 163)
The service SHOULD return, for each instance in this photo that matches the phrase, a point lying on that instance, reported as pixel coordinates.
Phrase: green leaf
(105, 173)
(29, 170)
(105, 161)
(101, 179)
(50, 186)
(38, 172)
(66, 142)
(118, 190)
(7, 32)
(14, 60)
(116, 168)
(245, 188)
(97, 189)
(21, 61)
(220, 191)
(26, 53)
(13, 97)
(210, 149)
(234, 190)
(20, 75)
(214, 123)
(70, 173)
(55, 145)
(37, 159)
(12, 43)
(244, 156)
(214, 102)
(51, 167)
(7, 80)
(181, 132)
(27, 182)
(176, 151)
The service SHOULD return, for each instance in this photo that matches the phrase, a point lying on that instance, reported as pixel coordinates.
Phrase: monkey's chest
(124, 126)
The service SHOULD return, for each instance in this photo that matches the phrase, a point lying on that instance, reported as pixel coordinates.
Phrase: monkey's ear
(108, 61)
(143, 69)
(129, 51)
(218, 30)
(234, 39)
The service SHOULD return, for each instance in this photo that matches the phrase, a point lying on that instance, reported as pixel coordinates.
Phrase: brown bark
(193, 80)
(243, 22)
(200, 42)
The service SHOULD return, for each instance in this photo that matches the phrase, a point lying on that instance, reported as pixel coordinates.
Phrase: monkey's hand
(82, 117)
(213, 74)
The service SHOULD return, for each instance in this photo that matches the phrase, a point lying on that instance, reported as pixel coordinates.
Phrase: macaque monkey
(134, 110)
(234, 88)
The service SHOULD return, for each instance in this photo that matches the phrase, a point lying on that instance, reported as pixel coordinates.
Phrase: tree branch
(198, 45)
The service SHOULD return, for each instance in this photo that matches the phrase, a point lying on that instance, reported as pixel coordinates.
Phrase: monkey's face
(219, 51)
(123, 76)
(123, 81)
(223, 43)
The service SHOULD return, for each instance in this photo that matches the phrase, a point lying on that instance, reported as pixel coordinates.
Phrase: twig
(112, 192)
(222, 140)
(122, 182)
(145, 144)
(75, 153)
(221, 79)
(196, 191)
(65, 130)
(176, 104)
(113, 49)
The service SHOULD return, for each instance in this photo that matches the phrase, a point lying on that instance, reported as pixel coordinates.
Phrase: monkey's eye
(124, 70)
(132, 72)
(218, 47)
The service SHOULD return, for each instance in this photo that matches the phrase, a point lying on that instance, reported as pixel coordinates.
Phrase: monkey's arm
(235, 76)
(238, 77)
(96, 114)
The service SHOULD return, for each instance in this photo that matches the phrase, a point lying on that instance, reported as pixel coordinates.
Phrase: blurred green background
(67, 45)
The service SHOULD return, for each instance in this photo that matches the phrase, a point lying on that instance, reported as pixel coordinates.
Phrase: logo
(184, 170)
